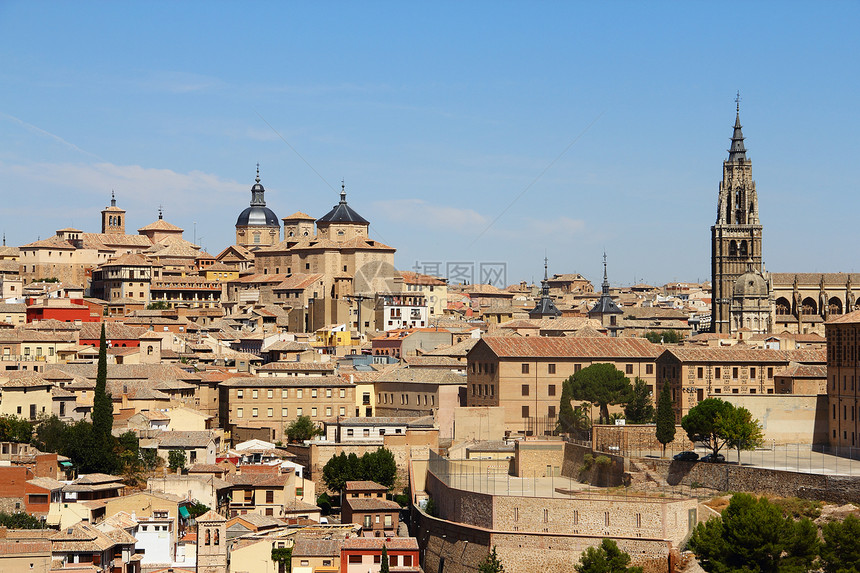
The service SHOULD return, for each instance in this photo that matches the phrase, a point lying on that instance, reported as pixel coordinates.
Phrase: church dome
(751, 284)
(258, 215)
(343, 213)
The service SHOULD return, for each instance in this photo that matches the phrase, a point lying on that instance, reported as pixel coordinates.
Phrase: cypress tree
(102, 416)
(665, 417)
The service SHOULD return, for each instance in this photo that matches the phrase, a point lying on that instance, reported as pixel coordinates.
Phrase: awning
(183, 511)
(66, 464)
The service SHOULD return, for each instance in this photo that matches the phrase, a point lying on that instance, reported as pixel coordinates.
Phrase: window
(628, 368)
(525, 389)
(550, 369)
(551, 411)
(254, 394)
(770, 372)
(550, 390)
(349, 432)
(270, 496)
(735, 373)
(525, 412)
(254, 412)
(285, 412)
(299, 393)
(342, 393)
(300, 491)
(700, 373)
(354, 559)
(525, 368)
(285, 393)
(298, 412)
(313, 393)
(388, 521)
(328, 410)
(367, 521)
(239, 412)
(717, 372)
(270, 393)
(313, 412)
(342, 411)
(328, 392)
(649, 369)
(577, 368)
(270, 412)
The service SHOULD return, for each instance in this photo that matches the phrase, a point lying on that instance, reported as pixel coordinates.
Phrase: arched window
(834, 306)
(217, 537)
(783, 307)
(743, 250)
(149, 350)
(256, 238)
(208, 537)
(733, 249)
(809, 306)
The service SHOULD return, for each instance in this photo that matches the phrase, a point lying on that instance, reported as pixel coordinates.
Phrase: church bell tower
(736, 236)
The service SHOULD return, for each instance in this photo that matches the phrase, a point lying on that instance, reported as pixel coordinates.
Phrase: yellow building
(219, 272)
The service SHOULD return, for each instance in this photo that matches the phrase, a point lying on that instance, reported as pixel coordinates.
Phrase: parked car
(687, 457)
(714, 458)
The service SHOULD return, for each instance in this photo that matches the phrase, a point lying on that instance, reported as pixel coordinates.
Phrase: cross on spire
(342, 191)
(738, 102)
(258, 172)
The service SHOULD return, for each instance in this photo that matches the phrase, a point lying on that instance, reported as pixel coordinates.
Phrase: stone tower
(211, 543)
(736, 236)
(113, 218)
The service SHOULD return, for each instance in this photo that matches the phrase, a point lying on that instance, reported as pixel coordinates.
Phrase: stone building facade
(843, 380)
(525, 375)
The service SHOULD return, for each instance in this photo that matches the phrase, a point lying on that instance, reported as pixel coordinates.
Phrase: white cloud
(418, 212)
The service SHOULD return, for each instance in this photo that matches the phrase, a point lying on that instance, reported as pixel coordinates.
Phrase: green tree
(102, 441)
(50, 434)
(157, 305)
(665, 417)
(640, 409)
(741, 430)
(339, 470)
(197, 509)
(302, 429)
(753, 535)
(379, 466)
(605, 558)
(841, 550)
(703, 423)
(384, 566)
(149, 458)
(15, 429)
(491, 563)
(571, 420)
(176, 460)
(21, 520)
(602, 385)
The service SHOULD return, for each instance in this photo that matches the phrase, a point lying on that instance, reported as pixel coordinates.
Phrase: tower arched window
(217, 537)
(743, 250)
(208, 536)
(733, 249)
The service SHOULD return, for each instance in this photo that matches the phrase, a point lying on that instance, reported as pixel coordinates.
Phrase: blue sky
(465, 131)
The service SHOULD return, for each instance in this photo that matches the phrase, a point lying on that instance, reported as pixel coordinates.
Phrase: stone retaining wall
(730, 477)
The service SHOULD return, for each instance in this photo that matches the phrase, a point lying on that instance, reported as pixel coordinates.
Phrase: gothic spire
(605, 277)
(737, 152)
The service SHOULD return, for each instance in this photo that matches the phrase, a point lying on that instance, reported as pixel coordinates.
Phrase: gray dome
(258, 216)
(751, 284)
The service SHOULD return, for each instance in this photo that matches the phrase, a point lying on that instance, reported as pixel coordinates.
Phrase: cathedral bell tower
(736, 236)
